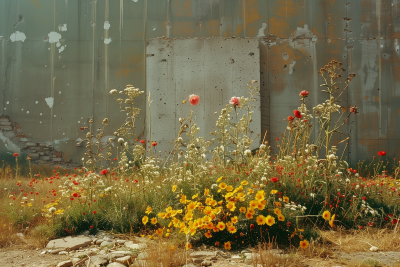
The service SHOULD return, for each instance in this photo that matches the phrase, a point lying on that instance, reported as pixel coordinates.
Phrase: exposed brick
(19, 130)
(6, 128)
(42, 145)
(57, 159)
(34, 155)
(4, 119)
(45, 158)
(5, 123)
(9, 134)
(30, 144)
(23, 139)
(41, 153)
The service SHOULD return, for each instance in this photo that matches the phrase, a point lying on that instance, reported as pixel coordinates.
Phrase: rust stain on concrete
(376, 98)
(130, 66)
(36, 3)
(283, 10)
(212, 28)
(184, 29)
(182, 9)
(365, 97)
(369, 125)
(251, 17)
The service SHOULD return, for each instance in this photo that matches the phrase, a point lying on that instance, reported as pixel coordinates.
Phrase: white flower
(263, 179)
(247, 152)
(347, 180)
(180, 139)
(262, 147)
(121, 140)
(214, 186)
(312, 194)
(52, 209)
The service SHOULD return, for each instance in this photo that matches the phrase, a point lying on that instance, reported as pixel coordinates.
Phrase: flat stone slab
(385, 258)
(69, 243)
(65, 264)
(202, 254)
(96, 261)
(124, 260)
(131, 245)
(116, 264)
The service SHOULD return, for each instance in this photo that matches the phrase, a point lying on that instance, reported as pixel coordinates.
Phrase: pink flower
(235, 101)
(304, 93)
(353, 109)
(297, 113)
(194, 99)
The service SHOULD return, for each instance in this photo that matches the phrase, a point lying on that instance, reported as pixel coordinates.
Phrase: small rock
(236, 257)
(189, 265)
(43, 252)
(69, 243)
(124, 260)
(120, 242)
(197, 260)
(99, 241)
(206, 263)
(106, 243)
(75, 260)
(96, 261)
(131, 245)
(63, 253)
(108, 239)
(116, 264)
(247, 250)
(65, 264)
(55, 251)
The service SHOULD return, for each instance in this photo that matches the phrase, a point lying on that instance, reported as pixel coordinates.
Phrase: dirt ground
(17, 256)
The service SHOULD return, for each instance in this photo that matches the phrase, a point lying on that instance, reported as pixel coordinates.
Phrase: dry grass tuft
(269, 258)
(356, 240)
(8, 236)
(167, 253)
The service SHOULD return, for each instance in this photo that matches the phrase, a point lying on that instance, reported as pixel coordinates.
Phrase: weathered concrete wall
(59, 59)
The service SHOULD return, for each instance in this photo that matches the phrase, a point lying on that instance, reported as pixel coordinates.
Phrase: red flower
(371, 224)
(354, 171)
(364, 198)
(15, 154)
(194, 99)
(386, 219)
(297, 113)
(104, 172)
(83, 213)
(91, 227)
(71, 198)
(394, 221)
(115, 159)
(251, 226)
(274, 179)
(290, 118)
(142, 141)
(303, 93)
(136, 181)
(154, 143)
(381, 153)
(361, 227)
(94, 212)
(235, 101)
(75, 194)
(353, 109)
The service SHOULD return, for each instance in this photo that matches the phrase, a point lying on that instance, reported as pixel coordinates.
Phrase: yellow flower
(253, 204)
(260, 206)
(326, 215)
(232, 229)
(192, 206)
(260, 220)
(148, 210)
(249, 215)
(206, 192)
(220, 202)
(59, 212)
(286, 199)
(229, 188)
(101, 195)
(227, 245)
(222, 185)
(270, 220)
(208, 234)
(172, 248)
(153, 220)
(244, 182)
(251, 211)
(221, 226)
(219, 179)
(242, 209)
(277, 211)
(193, 197)
(174, 188)
(234, 220)
(213, 202)
(145, 219)
(251, 191)
(160, 231)
(231, 206)
(183, 199)
(273, 192)
(150, 237)
(188, 246)
(29, 204)
(184, 102)
(332, 221)
(281, 217)
(161, 215)
(278, 204)
(304, 244)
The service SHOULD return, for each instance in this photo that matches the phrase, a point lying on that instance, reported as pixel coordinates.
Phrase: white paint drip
(291, 65)
(9, 144)
(261, 30)
(369, 70)
(36, 102)
(62, 27)
(61, 48)
(57, 142)
(302, 37)
(18, 36)
(107, 25)
(8, 102)
(107, 40)
(135, 1)
(54, 37)
(49, 101)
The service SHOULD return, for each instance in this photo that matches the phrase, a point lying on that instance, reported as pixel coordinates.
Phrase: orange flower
(160, 231)
(277, 211)
(270, 220)
(281, 217)
(217, 244)
(222, 185)
(153, 220)
(232, 229)
(227, 245)
(304, 244)
(260, 220)
(208, 234)
(188, 246)
(332, 221)
(221, 226)
(242, 209)
(234, 220)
